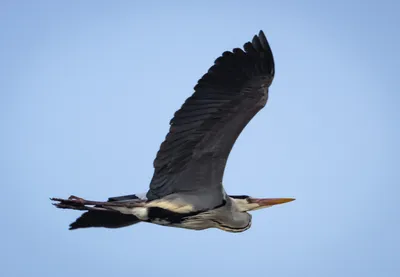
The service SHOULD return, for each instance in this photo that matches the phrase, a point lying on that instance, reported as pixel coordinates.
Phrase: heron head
(246, 203)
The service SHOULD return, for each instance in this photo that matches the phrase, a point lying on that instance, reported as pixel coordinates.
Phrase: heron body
(186, 190)
(227, 216)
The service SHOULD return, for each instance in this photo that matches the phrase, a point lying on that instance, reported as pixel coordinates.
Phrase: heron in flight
(186, 190)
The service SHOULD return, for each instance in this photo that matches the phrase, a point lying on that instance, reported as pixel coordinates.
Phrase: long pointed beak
(263, 202)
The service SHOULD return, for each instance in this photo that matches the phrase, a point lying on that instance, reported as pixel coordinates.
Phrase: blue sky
(87, 89)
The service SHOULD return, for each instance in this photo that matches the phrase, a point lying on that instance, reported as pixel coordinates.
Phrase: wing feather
(202, 132)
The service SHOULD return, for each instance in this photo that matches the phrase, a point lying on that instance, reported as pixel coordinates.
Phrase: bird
(186, 190)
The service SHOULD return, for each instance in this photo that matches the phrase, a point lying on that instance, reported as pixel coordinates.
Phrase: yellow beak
(263, 202)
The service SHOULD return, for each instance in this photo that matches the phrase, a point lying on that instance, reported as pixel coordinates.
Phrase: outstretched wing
(193, 156)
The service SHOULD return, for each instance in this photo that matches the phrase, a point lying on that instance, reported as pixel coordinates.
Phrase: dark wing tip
(74, 225)
(261, 39)
(255, 52)
(260, 49)
(262, 35)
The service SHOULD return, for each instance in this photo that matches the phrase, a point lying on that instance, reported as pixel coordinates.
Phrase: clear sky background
(87, 89)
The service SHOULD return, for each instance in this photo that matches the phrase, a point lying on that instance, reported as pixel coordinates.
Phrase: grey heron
(186, 189)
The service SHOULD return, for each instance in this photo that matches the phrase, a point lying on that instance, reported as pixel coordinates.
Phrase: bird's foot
(78, 203)
(76, 199)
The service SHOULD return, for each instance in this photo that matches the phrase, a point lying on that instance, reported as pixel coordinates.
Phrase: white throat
(243, 206)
